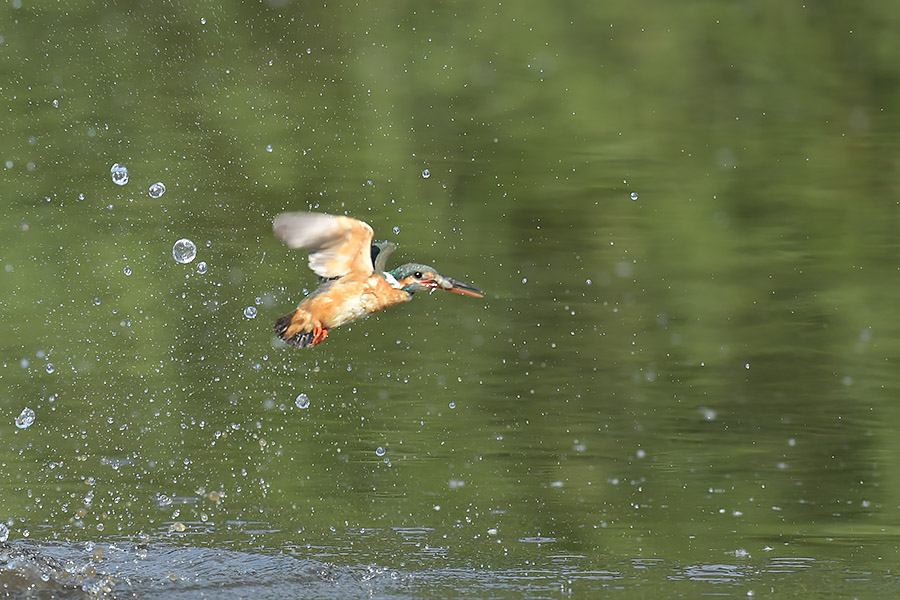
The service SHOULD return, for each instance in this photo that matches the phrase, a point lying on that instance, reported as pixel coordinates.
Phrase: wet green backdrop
(683, 377)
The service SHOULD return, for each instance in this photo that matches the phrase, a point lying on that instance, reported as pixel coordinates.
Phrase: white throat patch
(392, 280)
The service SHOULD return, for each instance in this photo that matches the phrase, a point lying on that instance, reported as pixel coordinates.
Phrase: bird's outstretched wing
(337, 245)
(380, 253)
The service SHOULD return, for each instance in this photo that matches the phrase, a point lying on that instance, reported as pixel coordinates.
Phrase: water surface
(681, 380)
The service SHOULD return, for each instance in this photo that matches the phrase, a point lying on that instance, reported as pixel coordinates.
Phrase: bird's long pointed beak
(461, 287)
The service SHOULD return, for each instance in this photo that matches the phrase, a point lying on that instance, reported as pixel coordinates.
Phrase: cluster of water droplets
(184, 251)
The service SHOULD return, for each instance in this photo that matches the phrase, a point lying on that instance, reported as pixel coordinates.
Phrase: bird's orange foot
(319, 334)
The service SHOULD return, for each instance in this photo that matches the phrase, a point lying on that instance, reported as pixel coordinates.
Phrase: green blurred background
(684, 216)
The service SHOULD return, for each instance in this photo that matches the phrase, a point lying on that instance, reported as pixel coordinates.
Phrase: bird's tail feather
(293, 334)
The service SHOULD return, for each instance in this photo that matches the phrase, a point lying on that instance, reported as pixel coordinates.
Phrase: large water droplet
(426, 173)
(634, 195)
(184, 251)
(250, 312)
(4, 532)
(302, 401)
(157, 189)
(380, 451)
(396, 230)
(50, 368)
(127, 271)
(25, 418)
(119, 174)
(201, 267)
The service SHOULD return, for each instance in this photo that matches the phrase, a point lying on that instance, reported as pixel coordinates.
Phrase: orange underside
(345, 301)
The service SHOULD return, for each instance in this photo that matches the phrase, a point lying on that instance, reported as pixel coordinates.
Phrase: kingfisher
(351, 270)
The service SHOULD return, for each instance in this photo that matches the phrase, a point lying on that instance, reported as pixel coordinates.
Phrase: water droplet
(302, 401)
(634, 195)
(453, 405)
(157, 189)
(184, 251)
(250, 312)
(203, 20)
(396, 230)
(127, 271)
(119, 174)
(55, 103)
(380, 451)
(25, 418)
(96, 301)
(4, 532)
(426, 174)
(201, 267)
(269, 148)
(50, 368)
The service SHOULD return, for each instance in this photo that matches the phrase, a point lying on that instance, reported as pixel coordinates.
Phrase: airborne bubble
(119, 174)
(157, 189)
(184, 251)
(25, 418)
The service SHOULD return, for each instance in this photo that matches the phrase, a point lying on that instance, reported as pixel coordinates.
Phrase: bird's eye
(418, 274)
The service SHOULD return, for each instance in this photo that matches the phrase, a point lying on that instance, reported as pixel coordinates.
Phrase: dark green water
(683, 377)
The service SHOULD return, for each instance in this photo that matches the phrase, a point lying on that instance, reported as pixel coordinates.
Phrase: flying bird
(351, 270)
